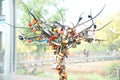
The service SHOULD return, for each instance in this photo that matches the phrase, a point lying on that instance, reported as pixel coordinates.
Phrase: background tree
(111, 33)
(48, 10)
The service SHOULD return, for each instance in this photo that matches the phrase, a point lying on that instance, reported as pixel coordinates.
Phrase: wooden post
(61, 68)
(118, 73)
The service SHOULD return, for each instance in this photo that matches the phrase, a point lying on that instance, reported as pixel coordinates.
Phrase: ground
(90, 66)
(98, 67)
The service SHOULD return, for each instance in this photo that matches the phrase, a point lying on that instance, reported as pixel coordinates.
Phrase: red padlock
(30, 24)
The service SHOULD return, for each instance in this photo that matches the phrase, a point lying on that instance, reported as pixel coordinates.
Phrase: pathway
(24, 77)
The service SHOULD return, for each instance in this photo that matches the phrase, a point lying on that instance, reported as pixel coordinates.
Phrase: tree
(43, 10)
(60, 36)
(111, 33)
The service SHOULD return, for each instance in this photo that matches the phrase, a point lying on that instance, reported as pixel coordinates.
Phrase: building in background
(2, 32)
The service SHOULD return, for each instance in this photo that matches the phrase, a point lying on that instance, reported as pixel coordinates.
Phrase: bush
(111, 70)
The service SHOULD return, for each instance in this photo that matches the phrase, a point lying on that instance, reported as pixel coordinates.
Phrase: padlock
(34, 30)
(55, 29)
(64, 75)
(53, 37)
(34, 21)
(29, 40)
(38, 38)
(61, 32)
(58, 67)
(69, 30)
(65, 42)
(73, 34)
(30, 24)
(54, 46)
(61, 54)
(21, 37)
(74, 45)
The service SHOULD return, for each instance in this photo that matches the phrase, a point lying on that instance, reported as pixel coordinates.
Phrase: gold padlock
(61, 54)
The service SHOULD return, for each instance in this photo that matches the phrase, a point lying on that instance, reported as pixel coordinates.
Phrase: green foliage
(46, 74)
(112, 70)
(42, 8)
(49, 9)
(97, 77)
(46, 10)
(110, 33)
(112, 67)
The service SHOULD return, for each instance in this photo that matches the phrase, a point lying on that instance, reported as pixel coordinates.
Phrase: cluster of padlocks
(61, 37)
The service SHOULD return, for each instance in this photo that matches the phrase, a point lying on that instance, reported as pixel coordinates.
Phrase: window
(2, 7)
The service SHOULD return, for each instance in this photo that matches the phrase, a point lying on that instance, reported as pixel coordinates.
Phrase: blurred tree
(112, 32)
(48, 10)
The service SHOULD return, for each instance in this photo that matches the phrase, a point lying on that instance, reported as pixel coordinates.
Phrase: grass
(71, 76)
(54, 75)
(92, 76)
(47, 75)
(96, 77)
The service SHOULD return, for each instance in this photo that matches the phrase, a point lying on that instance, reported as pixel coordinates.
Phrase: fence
(118, 73)
(86, 72)
(72, 60)
(1, 62)
(81, 71)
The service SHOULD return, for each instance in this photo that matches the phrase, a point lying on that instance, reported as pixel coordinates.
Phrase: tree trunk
(61, 68)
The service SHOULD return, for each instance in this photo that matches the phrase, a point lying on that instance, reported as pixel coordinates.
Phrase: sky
(76, 7)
